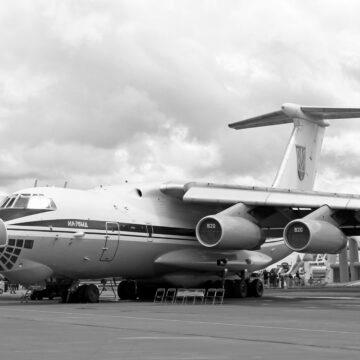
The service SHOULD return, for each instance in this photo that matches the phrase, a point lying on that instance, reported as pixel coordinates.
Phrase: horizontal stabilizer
(289, 112)
(331, 113)
(273, 118)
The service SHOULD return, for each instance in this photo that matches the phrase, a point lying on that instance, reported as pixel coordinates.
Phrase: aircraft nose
(3, 234)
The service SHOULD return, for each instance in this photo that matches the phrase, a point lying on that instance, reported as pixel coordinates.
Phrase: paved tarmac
(284, 324)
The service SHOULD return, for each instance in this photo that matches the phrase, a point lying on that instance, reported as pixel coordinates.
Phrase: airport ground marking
(186, 321)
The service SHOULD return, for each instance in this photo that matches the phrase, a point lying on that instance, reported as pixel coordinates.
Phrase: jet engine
(3, 234)
(314, 236)
(228, 230)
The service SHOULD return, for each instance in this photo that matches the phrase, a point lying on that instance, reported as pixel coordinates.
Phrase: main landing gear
(132, 290)
(238, 288)
(86, 293)
(241, 288)
(69, 292)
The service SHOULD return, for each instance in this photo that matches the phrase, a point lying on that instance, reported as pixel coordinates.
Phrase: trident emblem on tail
(301, 160)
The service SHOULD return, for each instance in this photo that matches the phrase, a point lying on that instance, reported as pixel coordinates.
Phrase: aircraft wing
(206, 193)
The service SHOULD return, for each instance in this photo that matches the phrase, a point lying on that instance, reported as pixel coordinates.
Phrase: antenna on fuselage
(65, 184)
(35, 182)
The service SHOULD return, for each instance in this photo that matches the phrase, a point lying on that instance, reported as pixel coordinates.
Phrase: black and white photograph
(179, 180)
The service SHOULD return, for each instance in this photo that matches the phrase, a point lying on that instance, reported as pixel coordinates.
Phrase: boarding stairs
(214, 296)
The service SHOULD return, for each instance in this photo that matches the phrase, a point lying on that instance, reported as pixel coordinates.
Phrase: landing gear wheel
(145, 292)
(91, 294)
(36, 295)
(80, 294)
(121, 290)
(240, 288)
(256, 288)
(229, 289)
(127, 290)
(64, 296)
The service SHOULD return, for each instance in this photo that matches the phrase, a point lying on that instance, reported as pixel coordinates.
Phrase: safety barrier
(213, 296)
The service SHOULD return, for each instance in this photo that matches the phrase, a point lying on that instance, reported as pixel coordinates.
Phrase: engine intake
(229, 232)
(3, 234)
(314, 236)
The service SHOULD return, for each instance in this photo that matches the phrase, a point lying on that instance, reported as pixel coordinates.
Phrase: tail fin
(298, 167)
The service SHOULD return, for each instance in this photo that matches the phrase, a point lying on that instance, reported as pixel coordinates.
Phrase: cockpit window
(11, 202)
(22, 201)
(5, 201)
(29, 201)
(41, 202)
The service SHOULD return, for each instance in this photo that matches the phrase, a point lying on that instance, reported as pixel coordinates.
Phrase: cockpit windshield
(28, 201)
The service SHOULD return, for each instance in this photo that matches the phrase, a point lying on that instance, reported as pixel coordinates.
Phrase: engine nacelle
(3, 234)
(229, 232)
(314, 236)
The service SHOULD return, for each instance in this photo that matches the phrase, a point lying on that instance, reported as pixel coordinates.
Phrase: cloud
(103, 91)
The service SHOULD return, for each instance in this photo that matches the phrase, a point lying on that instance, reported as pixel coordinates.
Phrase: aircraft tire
(240, 288)
(127, 290)
(121, 290)
(256, 288)
(36, 295)
(91, 294)
(63, 295)
(131, 288)
(80, 294)
(145, 292)
(229, 288)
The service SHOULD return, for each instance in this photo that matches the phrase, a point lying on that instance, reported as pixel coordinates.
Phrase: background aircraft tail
(299, 164)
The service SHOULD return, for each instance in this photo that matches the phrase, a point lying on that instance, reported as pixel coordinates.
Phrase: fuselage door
(111, 244)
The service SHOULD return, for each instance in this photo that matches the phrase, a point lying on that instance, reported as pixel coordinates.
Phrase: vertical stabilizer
(299, 164)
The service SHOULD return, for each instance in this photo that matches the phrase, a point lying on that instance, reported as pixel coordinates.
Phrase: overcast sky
(99, 92)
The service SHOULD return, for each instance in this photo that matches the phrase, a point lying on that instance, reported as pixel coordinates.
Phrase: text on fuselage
(77, 223)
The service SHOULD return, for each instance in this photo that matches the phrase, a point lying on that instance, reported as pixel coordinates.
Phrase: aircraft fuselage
(114, 232)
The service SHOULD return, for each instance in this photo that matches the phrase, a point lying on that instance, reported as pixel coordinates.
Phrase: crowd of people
(276, 279)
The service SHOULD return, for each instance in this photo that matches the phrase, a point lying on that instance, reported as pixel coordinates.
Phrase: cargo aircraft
(179, 234)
